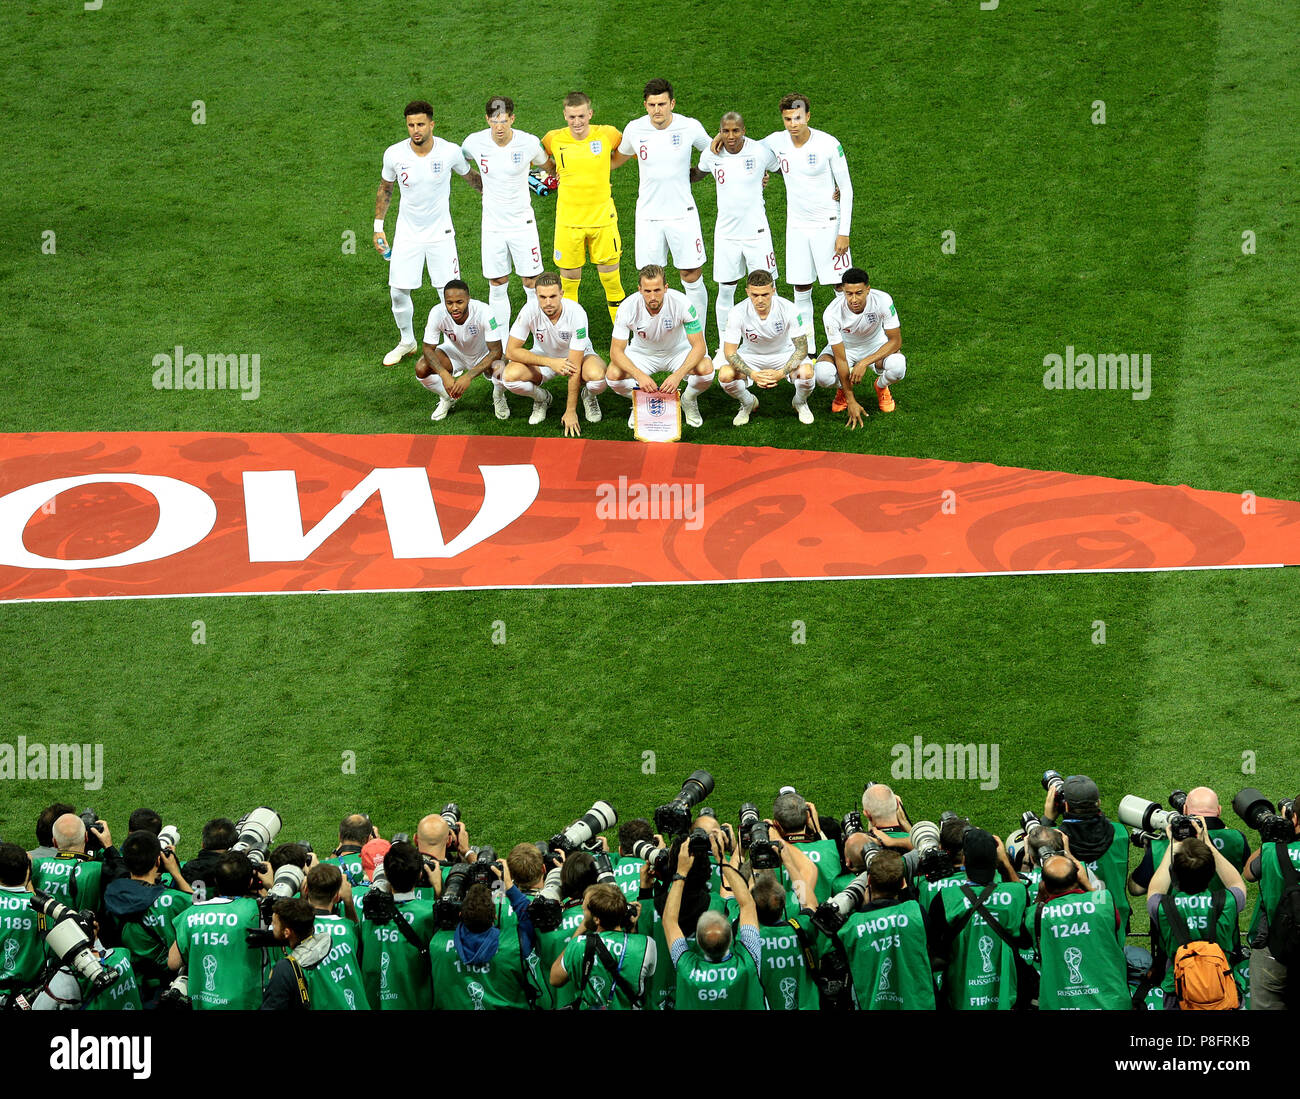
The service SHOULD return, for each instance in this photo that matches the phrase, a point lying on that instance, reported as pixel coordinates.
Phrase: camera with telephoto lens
(831, 915)
(454, 887)
(699, 843)
(1147, 816)
(927, 858)
(90, 818)
(170, 837)
(1257, 811)
(176, 996)
(659, 858)
(604, 868)
(70, 938)
(545, 909)
(851, 823)
(674, 819)
(288, 881)
(257, 831)
(1055, 782)
(756, 839)
(451, 814)
(481, 869)
(595, 820)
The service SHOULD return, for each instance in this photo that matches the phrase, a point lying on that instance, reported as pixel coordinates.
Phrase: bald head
(1058, 874)
(69, 833)
(713, 933)
(431, 835)
(853, 847)
(880, 804)
(1202, 802)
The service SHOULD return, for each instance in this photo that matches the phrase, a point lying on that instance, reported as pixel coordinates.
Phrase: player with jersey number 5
(509, 230)
(421, 167)
(863, 335)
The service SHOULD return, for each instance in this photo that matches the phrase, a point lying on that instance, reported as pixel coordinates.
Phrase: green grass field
(229, 236)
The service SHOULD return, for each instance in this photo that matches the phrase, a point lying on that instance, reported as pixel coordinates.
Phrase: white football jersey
(664, 159)
(424, 212)
(507, 201)
(468, 341)
(742, 214)
(812, 172)
(554, 339)
(770, 335)
(860, 333)
(661, 331)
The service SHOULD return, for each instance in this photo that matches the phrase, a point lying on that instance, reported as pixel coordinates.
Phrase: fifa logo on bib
(885, 967)
(1073, 957)
(595, 148)
(789, 987)
(210, 974)
(11, 956)
(475, 991)
(986, 953)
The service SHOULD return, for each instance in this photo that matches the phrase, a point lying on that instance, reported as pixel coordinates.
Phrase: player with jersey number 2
(421, 167)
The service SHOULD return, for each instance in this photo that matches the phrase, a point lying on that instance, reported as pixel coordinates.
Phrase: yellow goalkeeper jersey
(582, 167)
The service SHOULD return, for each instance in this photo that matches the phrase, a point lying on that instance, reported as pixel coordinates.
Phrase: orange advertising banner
(141, 515)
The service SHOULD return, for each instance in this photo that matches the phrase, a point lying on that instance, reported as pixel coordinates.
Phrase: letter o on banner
(185, 517)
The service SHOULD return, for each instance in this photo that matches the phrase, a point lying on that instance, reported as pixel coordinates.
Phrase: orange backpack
(1202, 977)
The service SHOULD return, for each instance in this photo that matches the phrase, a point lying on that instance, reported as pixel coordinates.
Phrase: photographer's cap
(373, 850)
(1081, 792)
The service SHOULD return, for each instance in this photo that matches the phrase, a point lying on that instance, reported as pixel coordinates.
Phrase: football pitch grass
(1167, 230)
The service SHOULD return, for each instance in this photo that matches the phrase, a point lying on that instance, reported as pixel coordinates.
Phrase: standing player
(742, 242)
(561, 345)
(422, 166)
(666, 217)
(669, 338)
(767, 340)
(582, 156)
(816, 226)
(461, 341)
(509, 237)
(862, 331)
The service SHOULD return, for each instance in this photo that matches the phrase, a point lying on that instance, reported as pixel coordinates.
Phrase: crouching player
(669, 338)
(862, 332)
(468, 344)
(767, 340)
(558, 326)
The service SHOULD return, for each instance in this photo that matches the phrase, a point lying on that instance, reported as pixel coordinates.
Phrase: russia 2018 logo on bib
(595, 148)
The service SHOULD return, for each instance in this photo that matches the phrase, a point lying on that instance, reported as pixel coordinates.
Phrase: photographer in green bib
(355, 831)
(395, 930)
(1074, 806)
(1200, 802)
(485, 962)
(718, 971)
(976, 929)
(885, 818)
(22, 928)
(879, 932)
(610, 960)
(1073, 928)
(1273, 928)
(140, 913)
(86, 862)
(328, 891)
(1185, 881)
(796, 822)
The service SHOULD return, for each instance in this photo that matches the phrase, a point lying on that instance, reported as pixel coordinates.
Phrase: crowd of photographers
(793, 911)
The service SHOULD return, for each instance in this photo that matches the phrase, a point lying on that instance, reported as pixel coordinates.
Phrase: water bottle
(388, 249)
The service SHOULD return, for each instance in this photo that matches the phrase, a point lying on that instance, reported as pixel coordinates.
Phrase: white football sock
(698, 383)
(624, 387)
(433, 383)
(723, 306)
(737, 388)
(523, 388)
(403, 313)
(499, 300)
(697, 293)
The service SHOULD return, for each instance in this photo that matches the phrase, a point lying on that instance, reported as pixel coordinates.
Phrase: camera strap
(303, 993)
(408, 933)
(596, 948)
(805, 947)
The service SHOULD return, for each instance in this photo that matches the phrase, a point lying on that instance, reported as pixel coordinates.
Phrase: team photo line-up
(787, 908)
(659, 332)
